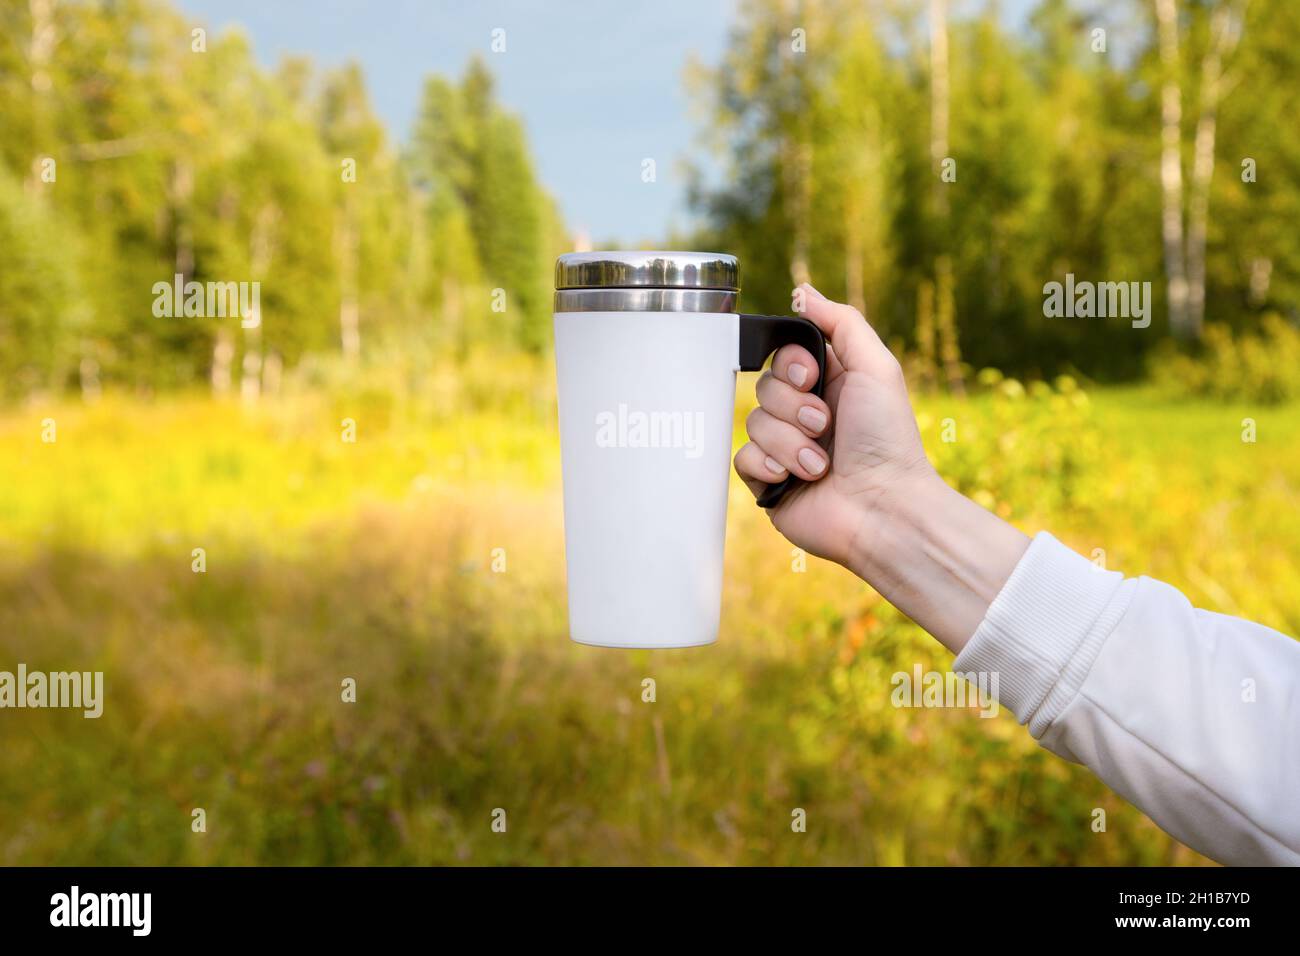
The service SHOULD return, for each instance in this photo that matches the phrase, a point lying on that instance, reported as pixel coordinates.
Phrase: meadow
(425, 562)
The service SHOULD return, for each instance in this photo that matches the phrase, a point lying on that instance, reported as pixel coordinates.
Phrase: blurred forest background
(412, 300)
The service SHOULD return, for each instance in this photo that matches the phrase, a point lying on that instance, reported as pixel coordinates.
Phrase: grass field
(373, 560)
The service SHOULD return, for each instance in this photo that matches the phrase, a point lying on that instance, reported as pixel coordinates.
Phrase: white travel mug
(647, 346)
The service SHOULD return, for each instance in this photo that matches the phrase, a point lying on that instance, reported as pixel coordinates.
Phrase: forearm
(937, 556)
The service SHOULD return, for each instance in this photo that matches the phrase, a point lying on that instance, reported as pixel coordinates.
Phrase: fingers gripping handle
(760, 336)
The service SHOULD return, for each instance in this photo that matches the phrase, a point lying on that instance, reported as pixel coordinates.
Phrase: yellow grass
(371, 560)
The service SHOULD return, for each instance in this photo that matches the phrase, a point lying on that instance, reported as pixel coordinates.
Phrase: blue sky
(599, 83)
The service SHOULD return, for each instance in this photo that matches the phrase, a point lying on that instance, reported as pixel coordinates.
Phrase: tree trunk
(1261, 272)
(925, 334)
(796, 163)
(180, 193)
(939, 95)
(854, 249)
(223, 345)
(272, 371)
(798, 192)
(1171, 169)
(39, 54)
(88, 375)
(1225, 31)
(945, 311)
(452, 324)
(261, 250)
(223, 354)
(250, 378)
(44, 35)
(349, 309)
(945, 322)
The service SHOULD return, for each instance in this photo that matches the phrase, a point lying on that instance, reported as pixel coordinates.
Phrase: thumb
(855, 342)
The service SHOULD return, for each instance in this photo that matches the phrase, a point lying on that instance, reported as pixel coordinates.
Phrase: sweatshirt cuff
(1043, 631)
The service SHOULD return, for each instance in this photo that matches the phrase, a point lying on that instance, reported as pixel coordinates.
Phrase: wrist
(934, 554)
(891, 523)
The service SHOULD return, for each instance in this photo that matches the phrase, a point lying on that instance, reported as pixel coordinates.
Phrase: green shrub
(1258, 366)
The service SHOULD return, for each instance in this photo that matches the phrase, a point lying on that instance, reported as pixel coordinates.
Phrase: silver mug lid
(647, 269)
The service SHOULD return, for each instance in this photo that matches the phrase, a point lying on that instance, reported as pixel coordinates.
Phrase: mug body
(646, 403)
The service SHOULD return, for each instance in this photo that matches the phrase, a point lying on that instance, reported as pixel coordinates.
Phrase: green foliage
(1057, 155)
(1021, 450)
(39, 294)
(493, 226)
(207, 165)
(1257, 366)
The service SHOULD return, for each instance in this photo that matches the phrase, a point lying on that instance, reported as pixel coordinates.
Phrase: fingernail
(774, 466)
(813, 289)
(798, 375)
(812, 461)
(812, 419)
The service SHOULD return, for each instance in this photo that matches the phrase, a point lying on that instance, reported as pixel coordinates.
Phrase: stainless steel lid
(647, 270)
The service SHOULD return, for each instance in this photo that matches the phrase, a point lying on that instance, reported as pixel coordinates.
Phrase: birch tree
(945, 319)
(1184, 234)
(1225, 33)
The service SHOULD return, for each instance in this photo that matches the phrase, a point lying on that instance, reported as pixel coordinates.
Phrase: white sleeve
(1191, 716)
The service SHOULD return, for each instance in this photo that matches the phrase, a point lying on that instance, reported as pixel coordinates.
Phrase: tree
(471, 159)
(1184, 233)
(367, 197)
(945, 319)
(40, 316)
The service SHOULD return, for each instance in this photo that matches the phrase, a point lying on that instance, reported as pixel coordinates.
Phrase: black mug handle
(760, 336)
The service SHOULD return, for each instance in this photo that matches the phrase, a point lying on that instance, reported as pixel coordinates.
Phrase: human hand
(865, 420)
(875, 504)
